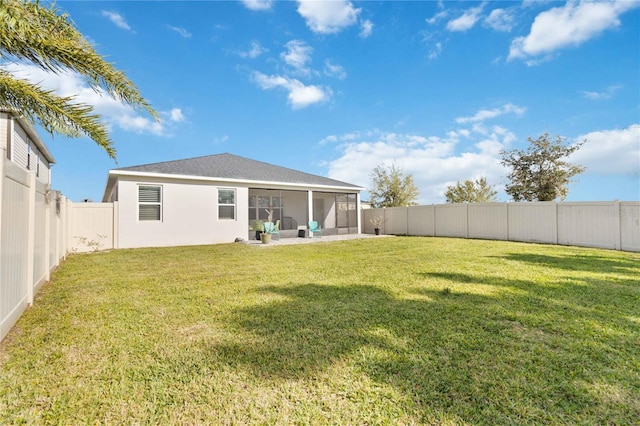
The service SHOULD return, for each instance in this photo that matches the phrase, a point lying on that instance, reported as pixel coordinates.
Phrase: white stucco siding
(189, 215)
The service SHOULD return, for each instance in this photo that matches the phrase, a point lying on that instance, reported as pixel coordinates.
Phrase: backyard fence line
(608, 224)
(39, 227)
(33, 230)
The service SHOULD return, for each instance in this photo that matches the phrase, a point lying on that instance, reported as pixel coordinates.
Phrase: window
(227, 204)
(149, 202)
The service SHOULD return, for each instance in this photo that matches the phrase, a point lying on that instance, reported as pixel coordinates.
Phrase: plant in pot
(265, 236)
(258, 226)
(377, 222)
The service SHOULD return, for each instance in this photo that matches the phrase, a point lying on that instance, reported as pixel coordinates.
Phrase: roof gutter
(229, 180)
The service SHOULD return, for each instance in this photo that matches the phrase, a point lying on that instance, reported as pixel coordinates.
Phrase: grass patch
(376, 331)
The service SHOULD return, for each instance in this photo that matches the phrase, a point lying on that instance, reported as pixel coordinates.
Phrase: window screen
(149, 202)
(226, 204)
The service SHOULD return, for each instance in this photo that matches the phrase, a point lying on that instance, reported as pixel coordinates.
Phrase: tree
(47, 38)
(540, 173)
(478, 191)
(391, 188)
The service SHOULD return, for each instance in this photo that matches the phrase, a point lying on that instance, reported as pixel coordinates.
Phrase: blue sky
(336, 88)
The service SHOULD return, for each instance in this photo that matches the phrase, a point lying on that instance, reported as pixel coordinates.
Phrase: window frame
(150, 203)
(234, 204)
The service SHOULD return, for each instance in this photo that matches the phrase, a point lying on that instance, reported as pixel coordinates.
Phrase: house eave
(113, 174)
(31, 132)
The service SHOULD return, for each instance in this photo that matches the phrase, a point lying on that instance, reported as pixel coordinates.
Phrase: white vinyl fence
(32, 243)
(38, 227)
(608, 224)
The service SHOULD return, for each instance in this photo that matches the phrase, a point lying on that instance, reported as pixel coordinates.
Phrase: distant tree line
(538, 173)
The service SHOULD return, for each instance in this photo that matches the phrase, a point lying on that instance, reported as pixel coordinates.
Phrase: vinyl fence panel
(422, 220)
(14, 243)
(396, 220)
(488, 221)
(533, 222)
(451, 220)
(587, 224)
(91, 227)
(630, 226)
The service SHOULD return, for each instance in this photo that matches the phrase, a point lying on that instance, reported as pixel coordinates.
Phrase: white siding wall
(189, 215)
(19, 146)
(4, 130)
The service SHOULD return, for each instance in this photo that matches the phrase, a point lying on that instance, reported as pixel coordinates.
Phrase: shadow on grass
(464, 354)
(579, 262)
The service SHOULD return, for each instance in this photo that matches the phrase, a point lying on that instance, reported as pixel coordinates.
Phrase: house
(216, 198)
(23, 147)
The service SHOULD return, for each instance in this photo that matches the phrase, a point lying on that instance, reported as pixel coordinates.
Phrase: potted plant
(265, 236)
(377, 221)
(258, 226)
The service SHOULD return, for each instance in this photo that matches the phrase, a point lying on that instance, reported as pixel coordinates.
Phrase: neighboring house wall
(23, 147)
(607, 224)
(189, 214)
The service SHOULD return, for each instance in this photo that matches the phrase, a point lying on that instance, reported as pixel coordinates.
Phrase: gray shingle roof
(229, 166)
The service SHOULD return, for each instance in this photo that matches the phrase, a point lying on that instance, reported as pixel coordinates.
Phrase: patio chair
(314, 228)
(276, 229)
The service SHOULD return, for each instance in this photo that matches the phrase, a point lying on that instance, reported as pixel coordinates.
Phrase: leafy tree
(469, 191)
(47, 38)
(540, 173)
(391, 188)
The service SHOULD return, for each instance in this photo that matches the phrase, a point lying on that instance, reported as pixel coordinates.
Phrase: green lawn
(374, 331)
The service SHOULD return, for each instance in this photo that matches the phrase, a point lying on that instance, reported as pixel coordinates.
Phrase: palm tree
(31, 32)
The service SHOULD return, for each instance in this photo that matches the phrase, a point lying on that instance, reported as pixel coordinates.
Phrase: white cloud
(117, 19)
(297, 55)
(328, 17)
(485, 114)
(437, 17)
(112, 111)
(333, 70)
(300, 96)
(610, 151)
(500, 20)
(183, 33)
(606, 94)
(176, 115)
(258, 5)
(255, 51)
(467, 20)
(569, 25)
(435, 50)
(366, 28)
(432, 161)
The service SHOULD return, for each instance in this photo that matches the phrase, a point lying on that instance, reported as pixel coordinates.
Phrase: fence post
(617, 225)
(555, 223)
(31, 236)
(466, 213)
(115, 211)
(47, 235)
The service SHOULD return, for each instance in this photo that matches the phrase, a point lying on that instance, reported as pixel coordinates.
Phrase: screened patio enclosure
(336, 212)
